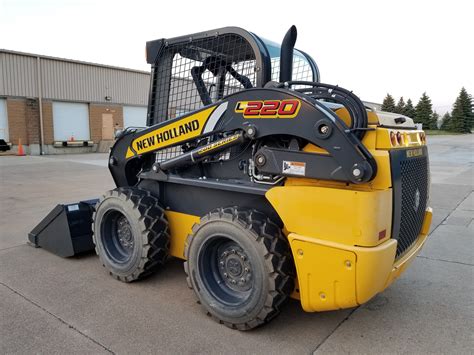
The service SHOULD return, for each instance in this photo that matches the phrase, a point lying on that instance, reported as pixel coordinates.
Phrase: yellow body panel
(326, 282)
(180, 225)
(334, 275)
(344, 115)
(338, 215)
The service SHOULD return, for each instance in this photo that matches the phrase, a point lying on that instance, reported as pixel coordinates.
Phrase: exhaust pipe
(286, 55)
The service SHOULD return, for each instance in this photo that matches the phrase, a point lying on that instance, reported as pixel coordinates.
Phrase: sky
(370, 47)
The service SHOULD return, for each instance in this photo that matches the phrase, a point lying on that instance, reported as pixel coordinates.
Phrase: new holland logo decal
(269, 108)
(178, 131)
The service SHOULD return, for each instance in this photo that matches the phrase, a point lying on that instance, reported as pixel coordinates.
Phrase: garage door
(70, 120)
(3, 120)
(134, 116)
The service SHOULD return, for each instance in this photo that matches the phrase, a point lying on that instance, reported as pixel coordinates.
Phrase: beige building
(56, 105)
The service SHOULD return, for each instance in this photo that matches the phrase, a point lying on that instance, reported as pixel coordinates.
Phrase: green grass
(439, 132)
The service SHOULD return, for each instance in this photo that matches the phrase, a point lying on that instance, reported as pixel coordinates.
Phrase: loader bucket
(66, 230)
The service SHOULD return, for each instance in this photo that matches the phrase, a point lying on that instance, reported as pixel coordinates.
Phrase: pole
(40, 102)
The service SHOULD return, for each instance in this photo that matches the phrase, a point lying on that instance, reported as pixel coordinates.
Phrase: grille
(414, 196)
(168, 153)
(193, 74)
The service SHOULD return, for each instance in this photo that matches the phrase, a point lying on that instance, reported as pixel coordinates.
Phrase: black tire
(240, 267)
(130, 233)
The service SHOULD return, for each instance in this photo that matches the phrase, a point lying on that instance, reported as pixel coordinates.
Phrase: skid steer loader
(268, 183)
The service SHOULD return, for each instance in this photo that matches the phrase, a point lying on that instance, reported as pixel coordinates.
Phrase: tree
(424, 111)
(400, 106)
(462, 115)
(434, 120)
(472, 111)
(446, 123)
(388, 104)
(409, 110)
(468, 109)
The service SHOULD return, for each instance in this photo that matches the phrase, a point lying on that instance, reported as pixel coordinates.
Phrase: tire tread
(278, 259)
(155, 231)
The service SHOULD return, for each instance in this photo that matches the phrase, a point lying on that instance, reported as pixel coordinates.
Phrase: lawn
(439, 132)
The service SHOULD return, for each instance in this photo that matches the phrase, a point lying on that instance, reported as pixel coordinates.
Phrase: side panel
(180, 225)
(326, 276)
(345, 216)
(185, 204)
(334, 276)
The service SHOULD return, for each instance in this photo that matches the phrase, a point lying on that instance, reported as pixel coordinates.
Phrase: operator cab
(190, 72)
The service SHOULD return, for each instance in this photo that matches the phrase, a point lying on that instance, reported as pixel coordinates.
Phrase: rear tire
(130, 233)
(240, 267)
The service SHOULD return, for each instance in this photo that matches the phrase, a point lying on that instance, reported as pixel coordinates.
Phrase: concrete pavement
(54, 305)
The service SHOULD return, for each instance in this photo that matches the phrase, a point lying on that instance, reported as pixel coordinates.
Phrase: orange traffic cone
(21, 152)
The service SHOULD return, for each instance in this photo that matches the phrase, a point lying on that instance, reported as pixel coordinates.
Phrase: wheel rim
(117, 236)
(226, 271)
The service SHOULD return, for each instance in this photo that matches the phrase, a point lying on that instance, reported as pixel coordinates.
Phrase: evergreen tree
(472, 111)
(462, 114)
(409, 110)
(424, 111)
(446, 124)
(468, 109)
(457, 117)
(388, 104)
(434, 120)
(400, 108)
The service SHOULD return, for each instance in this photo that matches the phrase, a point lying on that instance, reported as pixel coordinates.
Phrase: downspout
(40, 102)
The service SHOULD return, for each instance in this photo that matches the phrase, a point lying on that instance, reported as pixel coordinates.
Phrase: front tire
(130, 233)
(240, 267)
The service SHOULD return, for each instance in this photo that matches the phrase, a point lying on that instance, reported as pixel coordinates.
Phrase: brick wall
(32, 121)
(16, 111)
(95, 118)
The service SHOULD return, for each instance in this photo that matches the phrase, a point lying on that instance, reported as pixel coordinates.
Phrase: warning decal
(294, 168)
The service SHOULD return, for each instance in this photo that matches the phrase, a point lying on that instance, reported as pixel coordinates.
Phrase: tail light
(400, 139)
(393, 139)
(423, 137)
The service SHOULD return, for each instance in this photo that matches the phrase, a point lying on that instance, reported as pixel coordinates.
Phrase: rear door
(3, 120)
(134, 116)
(70, 121)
